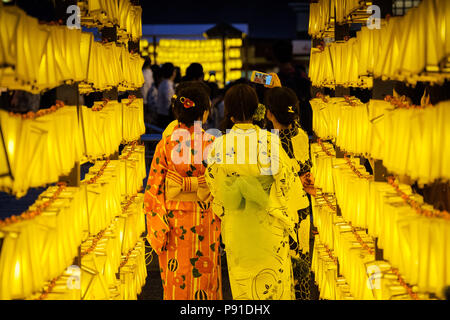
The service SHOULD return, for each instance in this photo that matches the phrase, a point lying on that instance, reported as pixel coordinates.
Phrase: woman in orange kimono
(181, 227)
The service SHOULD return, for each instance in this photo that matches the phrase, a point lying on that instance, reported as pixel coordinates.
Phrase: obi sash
(180, 188)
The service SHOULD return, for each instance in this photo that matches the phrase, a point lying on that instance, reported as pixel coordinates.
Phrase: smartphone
(261, 78)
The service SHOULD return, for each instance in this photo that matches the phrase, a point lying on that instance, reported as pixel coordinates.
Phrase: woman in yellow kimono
(282, 110)
(249, 175)
(181, 227)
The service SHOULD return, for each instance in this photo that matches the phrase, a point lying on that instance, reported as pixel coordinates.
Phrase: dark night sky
(276, 19)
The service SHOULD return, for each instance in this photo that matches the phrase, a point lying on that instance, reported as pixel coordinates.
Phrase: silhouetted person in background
(166, 90)
(156, 69)
(178, 78)
(194, 72)
(152, 95)
(148, 80)
(294, 77)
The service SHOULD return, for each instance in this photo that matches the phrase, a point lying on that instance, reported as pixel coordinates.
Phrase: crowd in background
(161, 82)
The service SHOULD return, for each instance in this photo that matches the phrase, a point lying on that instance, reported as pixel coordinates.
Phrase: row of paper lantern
(335, 233)
(66, 287)
(132, 119)
(420, 263)
(355, 262)
(413, 243)
(230, 76)
(354, 206)
(120, 13)
(111, 125)
(59, 139)
(209, 44)
(217, 66)
(38, 151)
(39, 249)
(197, 55)
(322, 165)
(319, 17)
(103, 194)
(412, 48)
(206, 52)
(121, 249)
(105, 273)
(36, 57)
(102, 128)
(411, 142)
(146, 48)
(331, 285)
(209, 61)
(336, 65)
(324, 13)
(169, 54)
(233, 67)
(133, 172)
(202, 52)
(352, 259)
(107, 184)
(110, 181)
(420, 257)
(76, 284)
(134, 272)
(118, 179)
(360, 276)
(100, 266)
(112, 66)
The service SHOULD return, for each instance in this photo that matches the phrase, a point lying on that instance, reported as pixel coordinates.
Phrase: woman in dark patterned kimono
(282, 111)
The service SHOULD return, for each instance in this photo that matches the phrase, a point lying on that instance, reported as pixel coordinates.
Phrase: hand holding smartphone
(261, 78)
(269, 80)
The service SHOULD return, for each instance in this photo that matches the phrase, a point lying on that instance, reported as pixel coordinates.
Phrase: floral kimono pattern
(296, 144)
(250, 197)
(184, 234)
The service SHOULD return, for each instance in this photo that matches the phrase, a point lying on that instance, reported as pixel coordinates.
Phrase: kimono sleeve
(301, 151)
(154, 201)
(281, 193)
(213, 176)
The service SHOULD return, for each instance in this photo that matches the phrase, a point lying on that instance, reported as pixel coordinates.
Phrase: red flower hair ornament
(187, 103)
